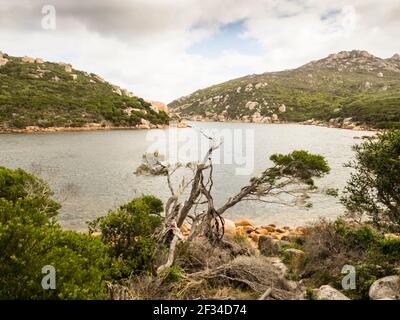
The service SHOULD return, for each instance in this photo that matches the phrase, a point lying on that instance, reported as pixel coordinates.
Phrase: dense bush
(129, 231)
(30, 240)
(374, 186)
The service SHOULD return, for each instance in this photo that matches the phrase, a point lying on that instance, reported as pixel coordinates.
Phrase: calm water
(92, 172)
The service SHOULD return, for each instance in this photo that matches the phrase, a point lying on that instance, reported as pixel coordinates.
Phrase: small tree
(290, 177)
(373, 190)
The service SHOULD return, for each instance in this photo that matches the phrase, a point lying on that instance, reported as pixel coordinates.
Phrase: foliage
(129, 231)
(299, 164)
(30, 240)
(328, 246)
(374, 187)
(366, 275)
(309, 92)
(19, 185)
(46, 95)
(173, 274)
(310, 294)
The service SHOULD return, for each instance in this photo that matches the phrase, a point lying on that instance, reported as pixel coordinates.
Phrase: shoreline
(304, 123)
(180, 125)
(88, 128)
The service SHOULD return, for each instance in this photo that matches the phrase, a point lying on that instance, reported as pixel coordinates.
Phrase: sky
(164, 49)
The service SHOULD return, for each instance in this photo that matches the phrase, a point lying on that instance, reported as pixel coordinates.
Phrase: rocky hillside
(38, 94)
(348, 89)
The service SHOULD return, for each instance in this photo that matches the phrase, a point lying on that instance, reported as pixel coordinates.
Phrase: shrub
(328, 246)
(374, 187)
(28, 190)
(129, 231)
(173, 274)
(30, 240)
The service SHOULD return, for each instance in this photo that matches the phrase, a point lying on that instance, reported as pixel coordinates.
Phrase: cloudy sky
(164, 49)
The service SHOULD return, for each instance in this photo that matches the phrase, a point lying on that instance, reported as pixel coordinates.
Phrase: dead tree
(291, 177)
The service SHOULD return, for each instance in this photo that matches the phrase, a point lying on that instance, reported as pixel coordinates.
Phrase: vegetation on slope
(46, 94)
(348, 84)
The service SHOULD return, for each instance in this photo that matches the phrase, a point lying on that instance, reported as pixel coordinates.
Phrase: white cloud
(143, 45)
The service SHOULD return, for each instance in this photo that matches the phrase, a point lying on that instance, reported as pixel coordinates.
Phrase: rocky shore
(279, 248)
(257, 234)
(90, 127)
(338, 123)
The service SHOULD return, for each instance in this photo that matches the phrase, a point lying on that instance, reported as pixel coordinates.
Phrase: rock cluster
(356, 60)
(342, 123)
(86, 127)
(269, 233)
(27, 59)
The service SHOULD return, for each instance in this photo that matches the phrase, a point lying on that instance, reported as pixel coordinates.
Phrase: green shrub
(390, 248)
(129, 231)
(366, 275)
(374, 186)
(330, 246)
(173, 274)
(364, 237)
(30, 240)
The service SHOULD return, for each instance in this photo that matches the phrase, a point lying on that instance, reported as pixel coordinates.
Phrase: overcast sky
(162, 49)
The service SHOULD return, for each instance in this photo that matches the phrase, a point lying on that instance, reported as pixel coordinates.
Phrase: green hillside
(45, 94)
(352, 84)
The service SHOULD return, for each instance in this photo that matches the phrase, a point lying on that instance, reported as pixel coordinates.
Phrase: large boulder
(387, 288)
(3, 61)
(145, 122)
(282, 108)
(158, 106)
(328, 293)
(251, 105)
(27, 59)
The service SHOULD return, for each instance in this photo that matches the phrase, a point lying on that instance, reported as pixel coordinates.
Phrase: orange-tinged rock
(300, 229)
(269, 228)
(243, 223)
(185, 229)
(240, 231)
(254, 236)
(263, 232)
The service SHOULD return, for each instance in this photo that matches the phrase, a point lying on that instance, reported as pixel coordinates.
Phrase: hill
(349, 84)
(35, 93)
